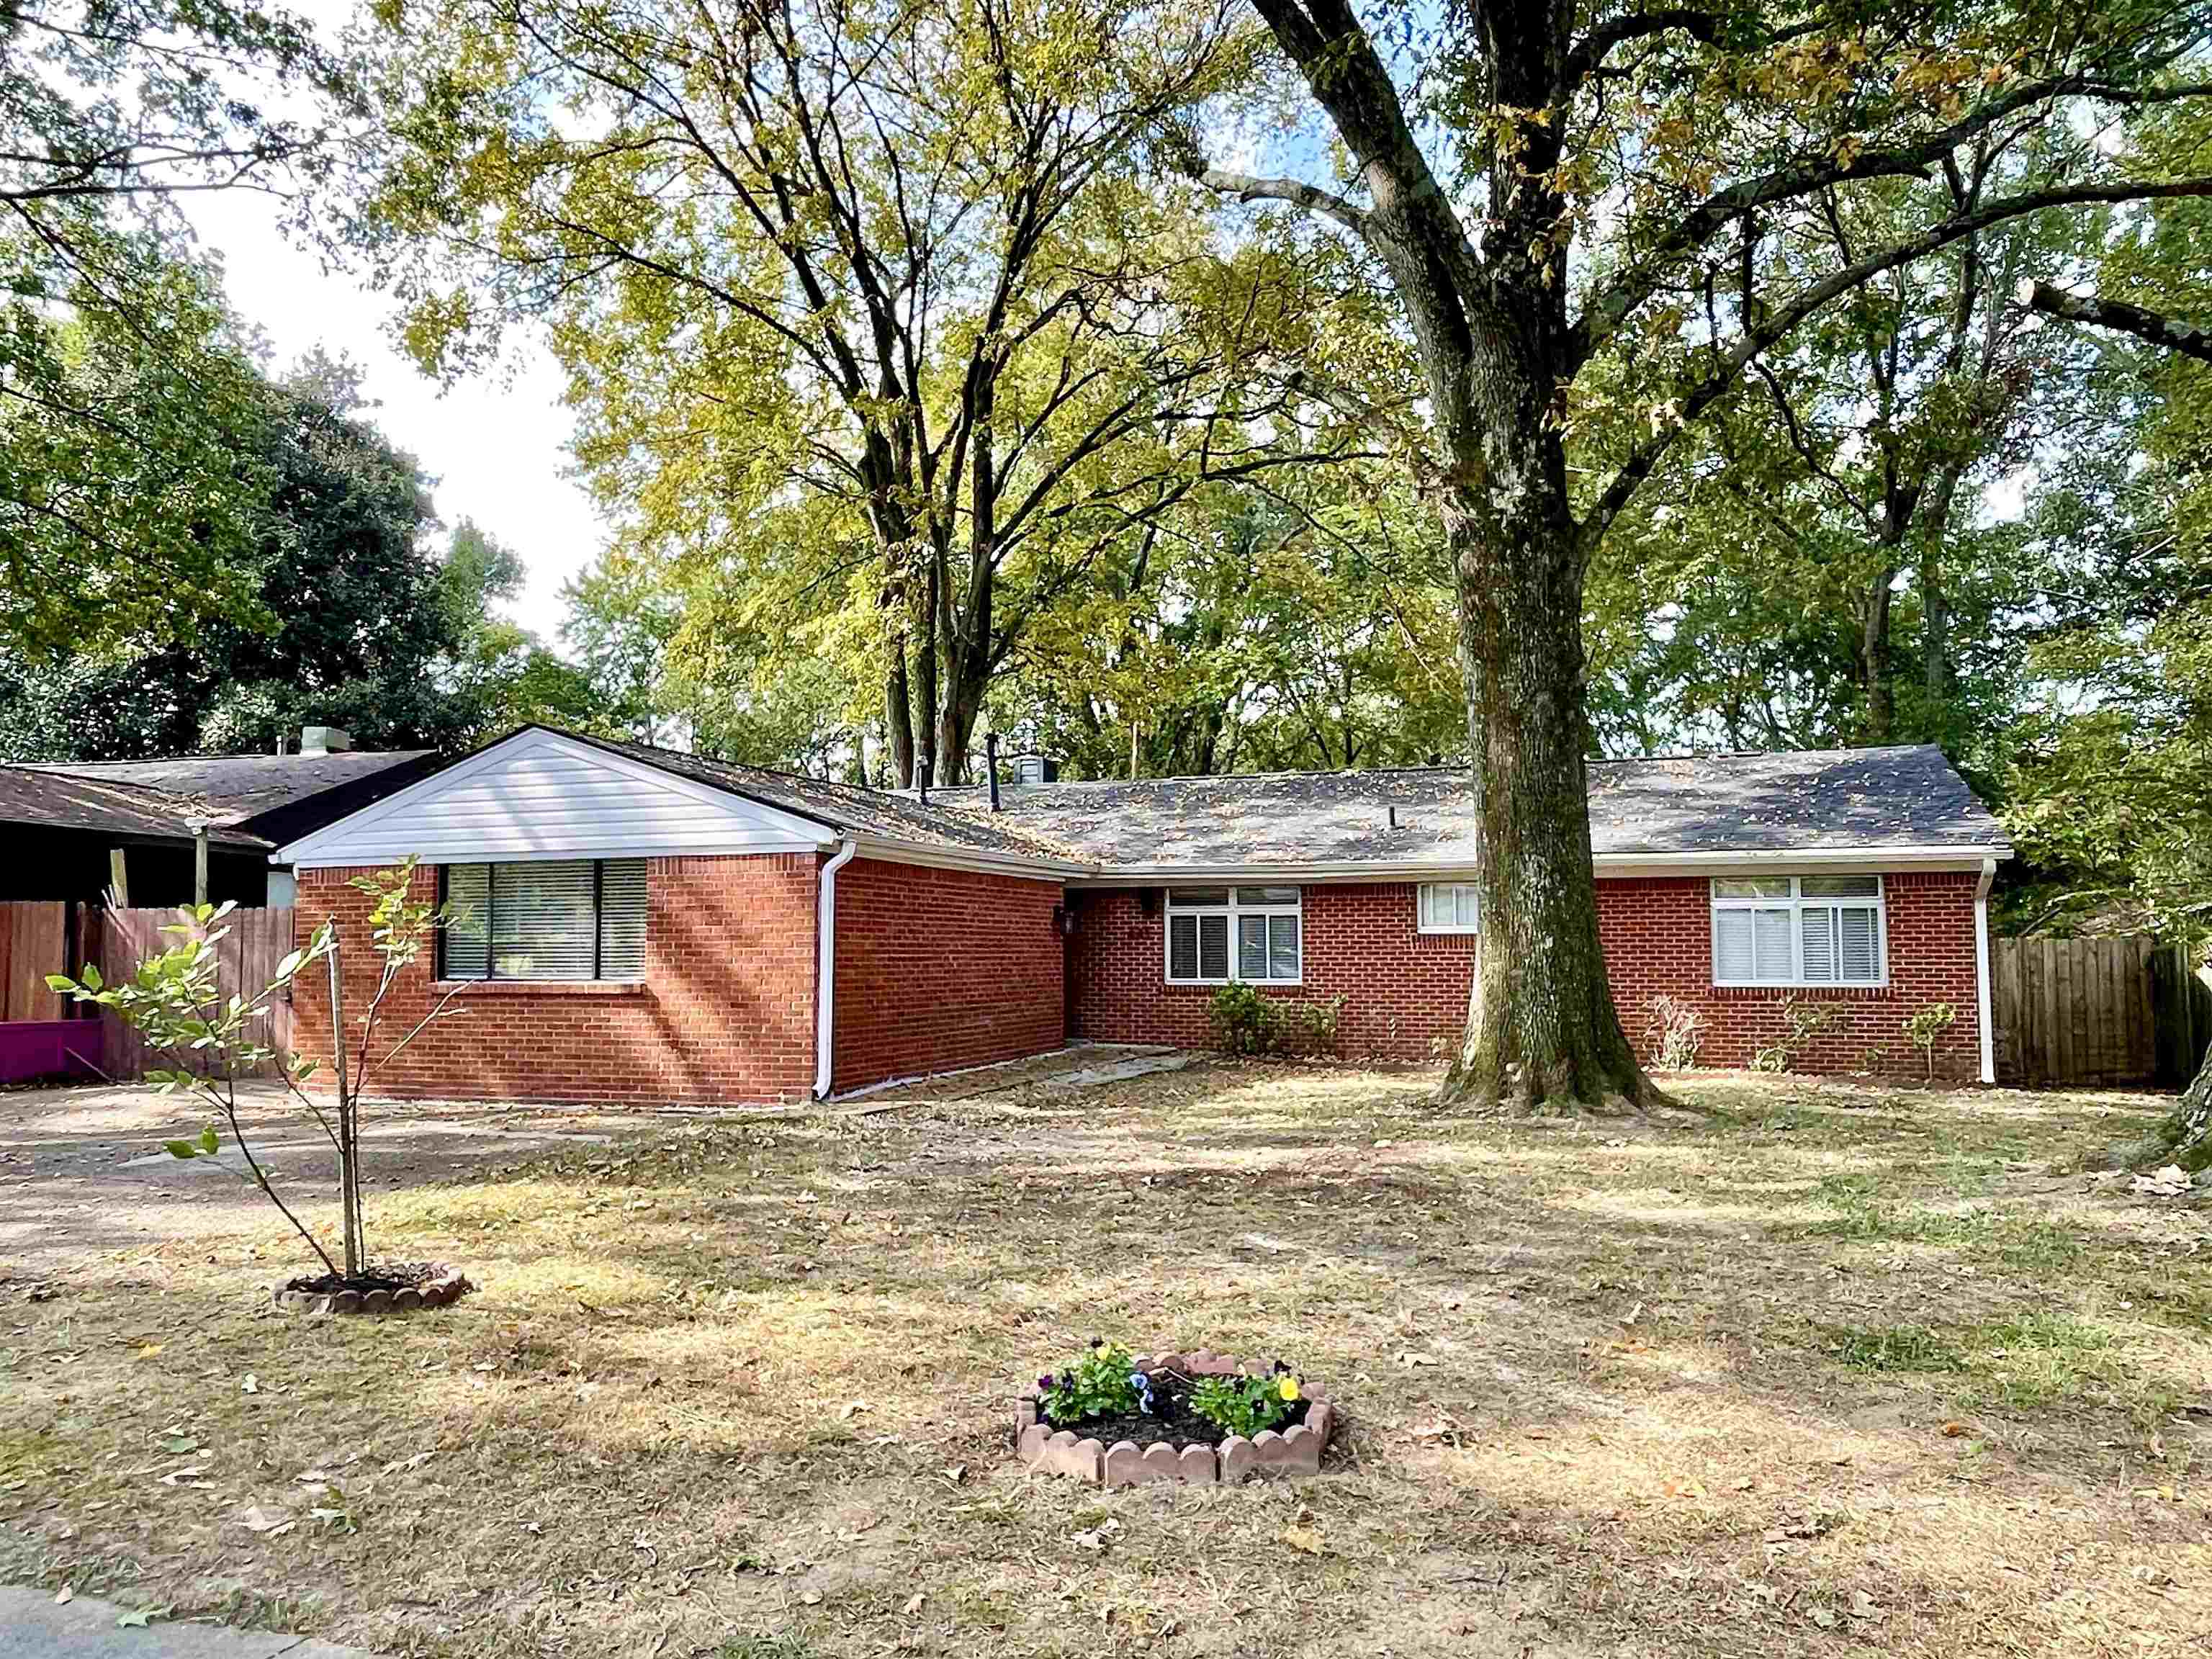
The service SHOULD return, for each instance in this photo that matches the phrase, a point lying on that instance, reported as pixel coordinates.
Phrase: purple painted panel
(32, 1048)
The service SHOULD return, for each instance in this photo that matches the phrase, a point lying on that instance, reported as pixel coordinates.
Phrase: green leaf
(92, 980)
(135, 1619)
(180, 1149)
(61, 983)
(209, 1140)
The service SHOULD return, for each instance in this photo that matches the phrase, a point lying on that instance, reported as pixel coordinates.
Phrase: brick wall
(726, 1012)
(1406, 992)
(942, 968)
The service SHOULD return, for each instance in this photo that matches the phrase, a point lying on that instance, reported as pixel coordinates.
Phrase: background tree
(882, 287)
(357, 619)
(1623, 160)
(124, 395)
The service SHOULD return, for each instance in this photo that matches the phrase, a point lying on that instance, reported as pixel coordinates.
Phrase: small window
(1215, 934)
(1799, 930)
(564, 919)
(1450, 907)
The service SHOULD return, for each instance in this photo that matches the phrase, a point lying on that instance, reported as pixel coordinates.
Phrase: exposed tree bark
(2190, 339)
(1492, 338)
(2186, 1136)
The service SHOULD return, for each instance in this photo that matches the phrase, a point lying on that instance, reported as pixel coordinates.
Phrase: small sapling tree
(210, 1041)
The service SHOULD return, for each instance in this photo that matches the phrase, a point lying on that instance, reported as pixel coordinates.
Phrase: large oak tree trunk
(2186, 1136)
(1542, 1028)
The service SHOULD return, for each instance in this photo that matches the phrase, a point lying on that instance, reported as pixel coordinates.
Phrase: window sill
(541, 988)
(1797, 988)
(1216, 984)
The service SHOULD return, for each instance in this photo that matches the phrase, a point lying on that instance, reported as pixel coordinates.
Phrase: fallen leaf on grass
(177, 1476)
(914, 1604)
(1302, 1539)
(65, 1595)
(1097, 1538)
(259, 1520)
(851, 1407)
(138, 1618)
(148, 1350)
(1953, 1431)
(1864, 1605)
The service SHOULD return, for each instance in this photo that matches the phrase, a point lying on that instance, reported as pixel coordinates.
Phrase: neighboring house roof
(99, 807)
(261, 791)
(1829, 800)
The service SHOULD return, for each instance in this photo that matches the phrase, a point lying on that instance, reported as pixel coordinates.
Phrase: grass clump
(1892, 1348)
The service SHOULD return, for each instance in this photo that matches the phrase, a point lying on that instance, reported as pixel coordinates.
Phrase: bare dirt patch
(1838, 1368)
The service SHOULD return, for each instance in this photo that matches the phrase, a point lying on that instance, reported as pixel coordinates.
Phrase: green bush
(1243, 1019)
(1247, 1022)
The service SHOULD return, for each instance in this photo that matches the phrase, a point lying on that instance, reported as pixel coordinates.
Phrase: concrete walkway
(32, 1627)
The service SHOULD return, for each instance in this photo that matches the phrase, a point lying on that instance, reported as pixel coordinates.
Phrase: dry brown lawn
(1836, 1370)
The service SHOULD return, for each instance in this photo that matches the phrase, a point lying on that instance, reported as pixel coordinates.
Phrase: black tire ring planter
(403, 1287)
(1296, 1450)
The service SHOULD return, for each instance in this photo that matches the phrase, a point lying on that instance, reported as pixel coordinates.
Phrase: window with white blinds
(1799, 930)
(1215, 934)
(1450, 907)
(569, 918)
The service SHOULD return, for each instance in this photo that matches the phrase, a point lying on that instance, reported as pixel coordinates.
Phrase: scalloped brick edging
(1295, 1451)
(449, 1287)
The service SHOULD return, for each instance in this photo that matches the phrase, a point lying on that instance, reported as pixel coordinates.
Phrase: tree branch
(1611, 306)
(2190, 339)
(1591, 51)
(1245, 187)
(1781, 321)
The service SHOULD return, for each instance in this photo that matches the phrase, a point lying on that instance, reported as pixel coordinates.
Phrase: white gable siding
(540, 795)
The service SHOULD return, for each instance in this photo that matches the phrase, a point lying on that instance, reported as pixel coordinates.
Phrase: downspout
(1982, 967)
(825, 969)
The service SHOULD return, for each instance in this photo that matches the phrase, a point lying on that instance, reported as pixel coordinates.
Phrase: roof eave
(1955, 855)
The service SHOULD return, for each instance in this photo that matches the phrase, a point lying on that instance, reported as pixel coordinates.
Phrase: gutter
(1982, 967)
(825, 968)
(1958, 858)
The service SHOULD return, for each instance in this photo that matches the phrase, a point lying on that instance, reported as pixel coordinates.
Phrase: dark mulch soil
(1171, 1421)
(378, 1276)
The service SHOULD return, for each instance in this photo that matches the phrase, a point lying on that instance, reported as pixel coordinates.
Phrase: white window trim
(1169, 910)
(1421, 923)
(1798, 904)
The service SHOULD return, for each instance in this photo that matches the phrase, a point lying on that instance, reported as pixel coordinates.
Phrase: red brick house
(645, 926)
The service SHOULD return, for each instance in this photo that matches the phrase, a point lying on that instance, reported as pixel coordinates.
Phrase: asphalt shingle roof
(854, 807)
(61, 801)
(236, 788)
(1828, 800)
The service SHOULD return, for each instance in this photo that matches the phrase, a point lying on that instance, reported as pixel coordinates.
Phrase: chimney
(324, 740)
(991, 764)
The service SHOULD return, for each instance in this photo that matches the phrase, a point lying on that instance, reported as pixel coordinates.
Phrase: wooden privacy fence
(34, 941)
(259, 939)
(2100, 1011)
(2183, 997)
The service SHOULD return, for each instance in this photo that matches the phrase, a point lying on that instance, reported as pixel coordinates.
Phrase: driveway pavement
(82, 1169)
(34, 1627)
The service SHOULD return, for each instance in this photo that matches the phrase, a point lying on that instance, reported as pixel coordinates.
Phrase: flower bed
(1119, 1419)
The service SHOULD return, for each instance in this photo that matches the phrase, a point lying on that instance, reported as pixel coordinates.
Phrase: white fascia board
(1872, 859)
(981, 861)
(327, 847)
(1858, 859)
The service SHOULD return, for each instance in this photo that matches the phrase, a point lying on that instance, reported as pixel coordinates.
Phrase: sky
(495, 446)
